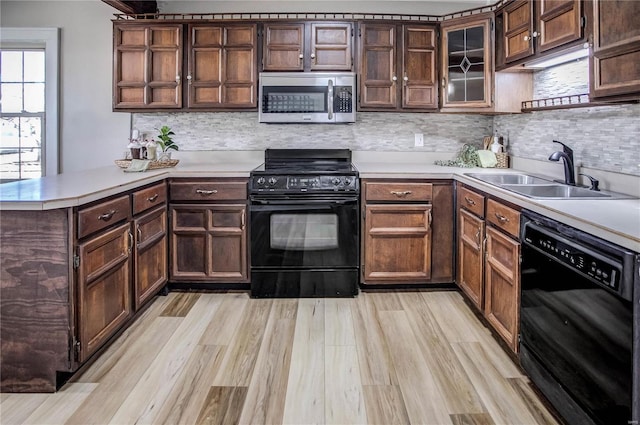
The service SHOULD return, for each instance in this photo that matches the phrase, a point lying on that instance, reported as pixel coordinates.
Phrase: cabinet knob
(313, 55)
(535, 34)
(177, 78)
(189, 78)
(527, 38)
(300, 56)
(406, 78)
(394, 78)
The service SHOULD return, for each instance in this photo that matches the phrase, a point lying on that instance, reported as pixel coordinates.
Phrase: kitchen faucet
(567, 156)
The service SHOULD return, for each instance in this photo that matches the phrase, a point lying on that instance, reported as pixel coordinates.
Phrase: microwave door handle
(330, 99)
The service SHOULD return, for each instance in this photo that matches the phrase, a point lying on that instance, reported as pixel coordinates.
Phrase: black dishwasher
(577, 322)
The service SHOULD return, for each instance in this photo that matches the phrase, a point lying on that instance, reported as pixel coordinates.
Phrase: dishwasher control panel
(605, 270)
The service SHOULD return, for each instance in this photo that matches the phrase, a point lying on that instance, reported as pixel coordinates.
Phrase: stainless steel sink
(555, 191)
(501, 179)
(541, 188)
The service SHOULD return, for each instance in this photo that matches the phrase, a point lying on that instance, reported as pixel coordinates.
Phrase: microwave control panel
(343, 99)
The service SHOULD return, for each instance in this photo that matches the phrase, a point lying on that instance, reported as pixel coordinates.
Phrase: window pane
(10, 135)
(11, 97)
(34, 97)
(21, 148)
(11, 69)
(34, 66)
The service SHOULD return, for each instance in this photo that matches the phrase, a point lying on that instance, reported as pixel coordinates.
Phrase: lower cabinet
(488, 269)
(208, 235)
(397, 243)
(104, 282)
(407, 232)
(209, 243)
(502, 285)
(150, 255)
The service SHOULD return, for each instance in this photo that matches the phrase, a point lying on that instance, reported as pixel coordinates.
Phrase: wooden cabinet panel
(398, 192)
(104, 279)
(207, 190)
(503, 217)
(471, 201)
(397, 243)
(150, 197)
(331, 47)
(309, 46)
(97, 217)
(209, 243)
(502, 285)
(150, 262)
(471, 256)
(615, 61)
(419, 86)
(398, 66)
(518, 30)
(222, 66)
(147, 66)
(559, 22)
(378, 65)
(283, 47)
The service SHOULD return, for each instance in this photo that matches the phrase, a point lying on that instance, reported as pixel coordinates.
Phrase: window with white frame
(22, 113)
(28, 103)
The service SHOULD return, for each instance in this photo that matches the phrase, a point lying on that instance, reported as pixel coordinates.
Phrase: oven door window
(304, 236)
(304, 232)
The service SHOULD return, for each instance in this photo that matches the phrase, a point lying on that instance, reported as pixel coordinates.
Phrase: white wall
(91, 135)
(421, 7)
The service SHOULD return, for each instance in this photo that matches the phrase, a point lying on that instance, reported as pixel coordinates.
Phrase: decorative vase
(165, 157)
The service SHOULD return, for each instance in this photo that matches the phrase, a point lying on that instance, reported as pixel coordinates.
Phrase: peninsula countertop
(615, 220)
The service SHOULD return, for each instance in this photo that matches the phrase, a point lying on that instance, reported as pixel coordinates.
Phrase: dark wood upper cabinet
(518, 30)
(222, 69)
(615, 61)
(527, 29)
(419, 81)
(309, 46)
(398, 66)
(147, 66)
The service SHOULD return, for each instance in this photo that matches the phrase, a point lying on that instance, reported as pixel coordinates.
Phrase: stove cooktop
(305, 170)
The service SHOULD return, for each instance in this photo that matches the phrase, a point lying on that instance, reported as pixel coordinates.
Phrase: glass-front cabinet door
(466, 74)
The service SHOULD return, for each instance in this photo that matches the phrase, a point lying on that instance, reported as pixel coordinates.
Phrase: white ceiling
(416, 7)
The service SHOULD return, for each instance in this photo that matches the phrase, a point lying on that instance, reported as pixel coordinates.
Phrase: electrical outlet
(419, 139)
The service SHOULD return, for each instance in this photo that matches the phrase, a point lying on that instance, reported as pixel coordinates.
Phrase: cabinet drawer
(503, 217)
(398, 192)
(208, 190)
(97, 217)
(150, 197)
(472, 201)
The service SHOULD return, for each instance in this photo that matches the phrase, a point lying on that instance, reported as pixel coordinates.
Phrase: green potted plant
(166, 142)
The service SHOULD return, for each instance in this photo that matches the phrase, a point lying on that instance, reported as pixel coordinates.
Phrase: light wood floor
(380, 358)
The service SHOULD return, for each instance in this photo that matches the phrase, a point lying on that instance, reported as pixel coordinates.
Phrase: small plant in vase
(165, 142)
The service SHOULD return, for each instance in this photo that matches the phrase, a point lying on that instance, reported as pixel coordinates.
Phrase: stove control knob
(335, 181)
(347, 181)
(260, 180)
(272, 181)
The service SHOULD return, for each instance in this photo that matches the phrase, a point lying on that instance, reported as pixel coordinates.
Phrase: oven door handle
(300, 202)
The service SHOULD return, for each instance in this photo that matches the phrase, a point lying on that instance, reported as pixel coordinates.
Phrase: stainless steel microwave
(307, 97)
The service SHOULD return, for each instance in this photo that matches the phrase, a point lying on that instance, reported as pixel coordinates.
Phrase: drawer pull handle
(107, 216)
(152, 198)
(206, 192)
(502, 218)
(469, 200)
(401, 194)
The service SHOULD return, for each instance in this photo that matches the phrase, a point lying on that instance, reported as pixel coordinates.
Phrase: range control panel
(304, 183)
(598, 267)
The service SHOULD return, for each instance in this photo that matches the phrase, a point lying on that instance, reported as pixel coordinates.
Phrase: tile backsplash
(373, 131)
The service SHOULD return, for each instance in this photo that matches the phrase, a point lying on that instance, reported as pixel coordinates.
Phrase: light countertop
(615, 220)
